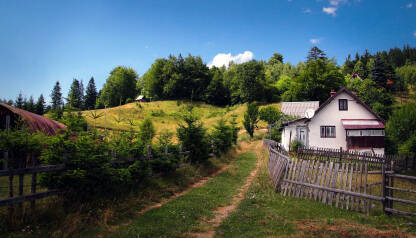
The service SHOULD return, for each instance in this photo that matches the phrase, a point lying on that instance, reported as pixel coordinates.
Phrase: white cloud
(410, 5)
(307, 10)
(225, 59)
(330, 10)
(315, 41)
(337, 2)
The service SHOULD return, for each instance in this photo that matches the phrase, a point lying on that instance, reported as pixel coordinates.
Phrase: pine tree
(82, 89)
(56, 96)
(40, 105)
(30, 104)
(315, 53)
(378, 72)
(91, 95)
(19, 101)
(75, 95)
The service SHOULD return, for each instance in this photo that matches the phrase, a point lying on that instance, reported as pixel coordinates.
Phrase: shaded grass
(264, 213)
(184, 213)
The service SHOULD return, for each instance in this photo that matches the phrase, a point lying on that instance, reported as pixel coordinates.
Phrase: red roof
(355, 124)
(36, 122)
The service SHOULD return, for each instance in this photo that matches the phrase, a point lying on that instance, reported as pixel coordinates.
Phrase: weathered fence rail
(342, 182)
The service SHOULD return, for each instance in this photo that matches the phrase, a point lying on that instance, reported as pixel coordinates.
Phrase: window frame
(344, 106)
(325, 128)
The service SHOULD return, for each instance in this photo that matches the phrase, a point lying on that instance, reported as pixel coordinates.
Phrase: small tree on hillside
(91, 95)
(192, 135)
(147, 131)
(251, 118)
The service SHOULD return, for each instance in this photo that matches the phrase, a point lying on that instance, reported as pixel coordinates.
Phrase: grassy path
(184, 214)
(265, 213)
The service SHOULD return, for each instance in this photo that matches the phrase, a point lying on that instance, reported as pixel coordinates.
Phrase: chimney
(332, 93)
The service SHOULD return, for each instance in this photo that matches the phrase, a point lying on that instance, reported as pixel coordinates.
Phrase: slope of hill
(164, 114)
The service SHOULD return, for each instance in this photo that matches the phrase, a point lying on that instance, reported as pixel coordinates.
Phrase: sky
(42, 42)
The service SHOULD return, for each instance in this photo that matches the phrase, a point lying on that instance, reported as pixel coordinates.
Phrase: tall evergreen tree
(91, 95)
(378, 72)
(40, 105)
(19, 101)
(315, 53)
(75, 95)
(30, 104)
(56, 96)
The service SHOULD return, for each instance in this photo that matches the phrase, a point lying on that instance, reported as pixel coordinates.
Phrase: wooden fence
(18, 197)
(341, 183)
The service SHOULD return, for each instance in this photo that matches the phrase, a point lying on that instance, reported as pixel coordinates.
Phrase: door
(302, 132)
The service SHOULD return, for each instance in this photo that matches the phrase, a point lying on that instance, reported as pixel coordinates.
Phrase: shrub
(294, 145)
(274, 134)
(269, 114)
(251, 118)
(234, 128)
(147, 131)
(192, 135)
(221, 137)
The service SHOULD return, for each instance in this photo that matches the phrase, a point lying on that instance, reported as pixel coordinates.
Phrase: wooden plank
(340, 183)
(308, 192)
(47, 168)
(21, 180)
(327, 182)
(367, 202)
(315, 171)
(318, 181)
(401, 189)
(301, 177)
(358, 184)
(29, 197)
(334, 184)
(293, 176)
(401, 200)
(336, 190)
(391, 210)
(284, 184)
(343, 202)
(350, 186)
(401, 176)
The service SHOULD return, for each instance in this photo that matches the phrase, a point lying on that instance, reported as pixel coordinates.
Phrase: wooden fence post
(21, 181)
(11, 192)
(5, 163)
(340, 154)
(385, 182)
(34, 181)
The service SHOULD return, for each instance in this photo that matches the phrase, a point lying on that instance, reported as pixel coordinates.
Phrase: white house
(342, 121)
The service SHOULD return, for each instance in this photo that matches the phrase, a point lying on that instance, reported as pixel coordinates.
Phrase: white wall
(286, 134)
(331, 116)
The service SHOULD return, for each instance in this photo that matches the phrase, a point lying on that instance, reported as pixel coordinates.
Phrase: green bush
(294, 145)
(269, 114)
(192, 135)
(147, 131)
(221, 137)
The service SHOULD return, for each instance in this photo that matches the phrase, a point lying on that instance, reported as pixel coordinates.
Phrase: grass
(183, 214)
(265, 213)
(27, 183)
(164, 114)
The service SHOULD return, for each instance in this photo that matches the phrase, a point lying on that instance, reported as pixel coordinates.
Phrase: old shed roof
(36, 122)
(298, 109)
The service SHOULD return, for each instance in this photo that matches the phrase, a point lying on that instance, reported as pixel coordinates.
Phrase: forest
(385, 81)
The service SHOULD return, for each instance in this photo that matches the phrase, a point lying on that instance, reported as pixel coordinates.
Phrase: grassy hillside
(164, 114)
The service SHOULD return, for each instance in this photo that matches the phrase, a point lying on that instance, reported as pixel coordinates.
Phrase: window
(343, 105)
(327, 131)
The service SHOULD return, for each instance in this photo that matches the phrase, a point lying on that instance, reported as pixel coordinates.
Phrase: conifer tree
(19, 101)
(30, 104)
(75, 95)
(56, 96)
(91, 94)
(40, 105)
(378, 72)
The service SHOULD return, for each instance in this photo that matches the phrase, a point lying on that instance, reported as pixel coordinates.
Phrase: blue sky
(45, 41)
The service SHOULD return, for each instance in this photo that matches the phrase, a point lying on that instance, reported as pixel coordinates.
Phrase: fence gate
(399, 199)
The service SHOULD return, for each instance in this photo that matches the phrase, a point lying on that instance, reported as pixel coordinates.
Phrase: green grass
(184, 213)
(264, 213)
(164, 114)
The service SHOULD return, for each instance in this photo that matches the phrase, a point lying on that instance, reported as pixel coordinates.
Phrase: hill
(164, 114)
